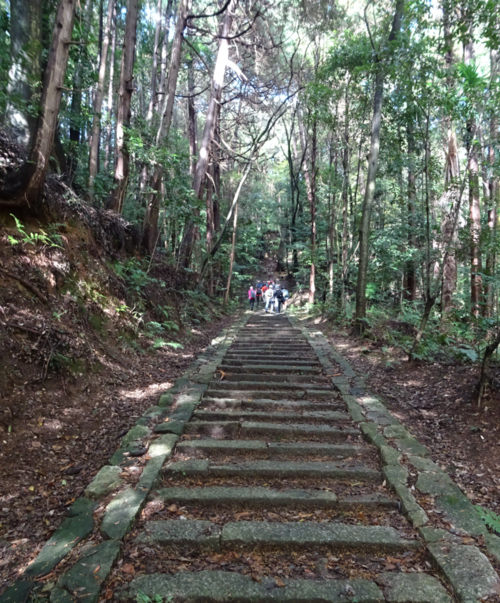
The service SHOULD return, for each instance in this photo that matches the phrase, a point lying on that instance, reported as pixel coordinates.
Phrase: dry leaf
(279, 582)
(128, 569)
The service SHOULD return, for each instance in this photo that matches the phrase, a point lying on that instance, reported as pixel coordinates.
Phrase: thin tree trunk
(124, 108)
(231, 257)
(364, 229)
(154, 69)
(187, 244)
(99, 95)
(164, 59)
(150, 226)
(310, 178)
(109, 113)
(411, 284)
(25, 185)
(345, 201)
(474, 203)
(493, 197)
(191, 119)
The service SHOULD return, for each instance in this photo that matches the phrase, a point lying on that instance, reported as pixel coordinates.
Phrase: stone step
(237, 535)
(273, 469)
(208, 446)
(290, 379)
(259, 429)
(258, 496)
(241, 415)
(237, 366)
(240, 383)
(299, 360)
(220, 587)
(273, 405)
(246, 394)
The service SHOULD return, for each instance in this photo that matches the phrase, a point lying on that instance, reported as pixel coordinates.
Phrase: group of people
(271, 294)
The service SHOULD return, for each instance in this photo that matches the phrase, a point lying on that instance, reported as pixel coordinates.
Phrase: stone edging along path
(112, 506)
(405, 461)
(94, 561)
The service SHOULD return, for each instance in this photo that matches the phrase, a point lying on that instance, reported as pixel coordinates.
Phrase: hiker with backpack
(258, 294)
(269, 297)
(286, 297)
(278, 299)
(251, 297)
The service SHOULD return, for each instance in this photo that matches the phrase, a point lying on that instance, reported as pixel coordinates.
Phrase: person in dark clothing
(278, 299)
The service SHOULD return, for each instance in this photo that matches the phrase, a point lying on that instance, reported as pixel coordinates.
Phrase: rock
(395, 474)
(389, 455)
(219, 586)
(19, 592)
(254, 496)
(467, 570)
(493, 545)
(175, 427)
(104, 482)
(417, 588)
(166, 400)
(437, 484)
(122, 511)
(308, 534)
(138, 432)
(84, 579)
(188, 533)
(423, 464)
(461, 513)
(411, 446)
(77, 526)
(396, 431)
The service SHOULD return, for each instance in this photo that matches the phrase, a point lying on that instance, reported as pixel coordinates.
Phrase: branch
(219, 12)
(27, 284)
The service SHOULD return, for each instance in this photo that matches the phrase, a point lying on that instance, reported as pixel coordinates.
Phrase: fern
(490, 518)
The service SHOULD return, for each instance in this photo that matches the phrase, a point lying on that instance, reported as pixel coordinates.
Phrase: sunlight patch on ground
(144, 392)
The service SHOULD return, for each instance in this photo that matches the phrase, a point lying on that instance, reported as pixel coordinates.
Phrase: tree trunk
(345, 202)
(191, 119)
(164, 58)
(25, 51)
(109, 112)
(364, 229)
(474, 203)
(310, 178)
(117, 197)
(150, 227)
(410, 291)
(493, 197)
(99, 95)
(154, 69)
(231, 257)
(24, 187)
(189, 237)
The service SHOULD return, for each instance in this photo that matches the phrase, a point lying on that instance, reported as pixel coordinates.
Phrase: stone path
(277, 477)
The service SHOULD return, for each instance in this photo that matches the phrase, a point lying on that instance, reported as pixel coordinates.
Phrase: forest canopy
(357, 140)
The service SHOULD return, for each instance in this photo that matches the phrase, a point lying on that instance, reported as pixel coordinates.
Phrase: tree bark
(25, 185)
(164, 59)
(364, 229)
(25, 51)
(188, 240)
(117, 197)
(154, 69)
(231, 257)
(493, 197)
(310, 178)
(411, 285)
(99, 96)
(109, 107)
(474, 203)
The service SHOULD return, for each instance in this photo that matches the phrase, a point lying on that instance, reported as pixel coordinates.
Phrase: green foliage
(34, 238)
(160, 343)
(144, 598)
(490, 518)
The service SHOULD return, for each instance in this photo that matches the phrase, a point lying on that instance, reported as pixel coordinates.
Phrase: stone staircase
(273, 493)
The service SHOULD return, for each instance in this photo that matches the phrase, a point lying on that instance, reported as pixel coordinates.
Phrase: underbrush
(457, 337)
(66, 305)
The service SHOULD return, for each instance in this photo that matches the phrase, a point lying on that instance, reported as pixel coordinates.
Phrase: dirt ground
(57, 432)
(437, 403)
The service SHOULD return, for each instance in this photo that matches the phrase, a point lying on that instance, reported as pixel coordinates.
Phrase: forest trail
(271, 474)
(273, 493)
